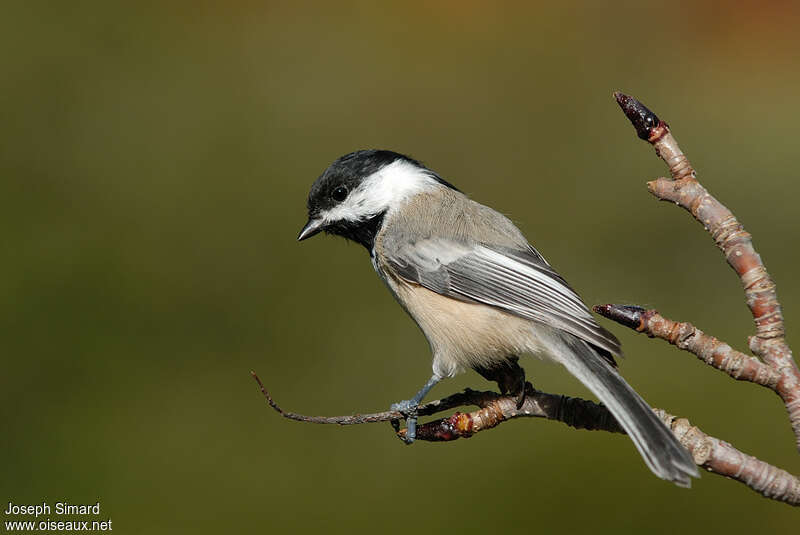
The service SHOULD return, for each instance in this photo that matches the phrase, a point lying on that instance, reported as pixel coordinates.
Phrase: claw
(521, 395)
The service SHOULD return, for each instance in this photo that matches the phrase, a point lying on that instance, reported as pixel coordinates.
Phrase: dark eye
(339, 193)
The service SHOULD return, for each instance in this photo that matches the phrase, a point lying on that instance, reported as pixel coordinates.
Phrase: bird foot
(409, 409)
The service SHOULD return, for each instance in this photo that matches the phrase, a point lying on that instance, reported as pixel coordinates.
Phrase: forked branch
(683, 189)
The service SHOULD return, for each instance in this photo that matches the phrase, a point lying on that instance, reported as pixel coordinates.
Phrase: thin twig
(352, 419)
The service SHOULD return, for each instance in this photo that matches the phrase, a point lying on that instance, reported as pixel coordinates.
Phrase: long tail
(657, 445)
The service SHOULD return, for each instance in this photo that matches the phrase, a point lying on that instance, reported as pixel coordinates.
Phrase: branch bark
(686, 336)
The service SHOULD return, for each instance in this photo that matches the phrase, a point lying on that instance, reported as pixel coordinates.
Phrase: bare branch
(352, 419)
(736, 244)
(686, 336)
(721, 458)
(495, 408)
(711, 453)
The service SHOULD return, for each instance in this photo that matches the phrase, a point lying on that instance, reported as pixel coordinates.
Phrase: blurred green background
(154, 164)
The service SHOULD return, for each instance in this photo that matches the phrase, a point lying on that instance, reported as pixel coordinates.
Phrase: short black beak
(314, 226)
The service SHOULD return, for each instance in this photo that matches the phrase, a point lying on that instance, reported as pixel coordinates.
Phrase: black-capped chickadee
(481, 294)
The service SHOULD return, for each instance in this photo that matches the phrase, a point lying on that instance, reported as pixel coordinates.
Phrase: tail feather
(659, 448)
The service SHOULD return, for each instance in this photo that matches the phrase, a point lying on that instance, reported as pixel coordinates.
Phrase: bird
(480, 293)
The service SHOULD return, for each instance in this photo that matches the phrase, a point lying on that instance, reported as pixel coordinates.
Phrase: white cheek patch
(382, 191)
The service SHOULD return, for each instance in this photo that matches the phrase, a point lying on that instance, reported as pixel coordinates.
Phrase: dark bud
(642, 119)
(627, 315)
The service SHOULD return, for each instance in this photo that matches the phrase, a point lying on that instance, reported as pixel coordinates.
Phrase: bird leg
(508, 375)
(409, 408)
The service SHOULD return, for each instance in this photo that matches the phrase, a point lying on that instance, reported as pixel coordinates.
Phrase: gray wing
(518, 281)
